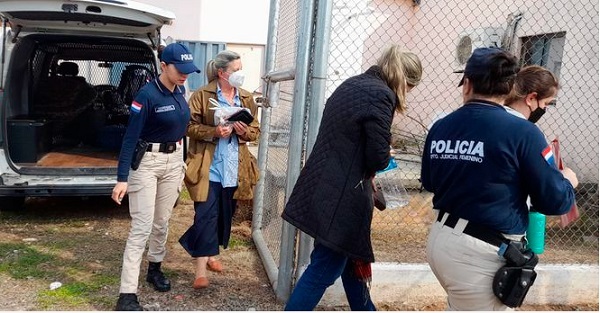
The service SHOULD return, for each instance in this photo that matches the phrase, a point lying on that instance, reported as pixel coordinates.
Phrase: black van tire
(11, 203)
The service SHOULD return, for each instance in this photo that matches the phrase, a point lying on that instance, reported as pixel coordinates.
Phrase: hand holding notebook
(242, 116)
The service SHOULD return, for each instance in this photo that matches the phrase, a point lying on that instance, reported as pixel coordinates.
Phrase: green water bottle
(536, 231)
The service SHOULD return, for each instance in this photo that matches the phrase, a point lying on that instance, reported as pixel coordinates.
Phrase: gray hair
(221, 61)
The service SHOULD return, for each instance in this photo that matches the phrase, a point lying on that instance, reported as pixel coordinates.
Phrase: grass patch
(68, 295)
(75, 294)
(22, 261)
(184, 194)
(235, 241)
(75, 223)
(65, 244)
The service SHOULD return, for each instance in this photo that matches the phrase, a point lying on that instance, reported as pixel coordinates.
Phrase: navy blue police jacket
(332, 200)
(156, 115)
(481, 163)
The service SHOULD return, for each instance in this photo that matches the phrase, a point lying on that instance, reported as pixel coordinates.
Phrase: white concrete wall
(416, 284)
(187, 18)
(235, 21)
(241, 24)
(228, 21)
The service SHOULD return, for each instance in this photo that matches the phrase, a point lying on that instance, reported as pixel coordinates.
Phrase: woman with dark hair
(481, 163)
(332, 200)
(158, 117)
(534, 90)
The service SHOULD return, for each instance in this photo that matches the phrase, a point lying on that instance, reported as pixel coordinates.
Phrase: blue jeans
(325, 267)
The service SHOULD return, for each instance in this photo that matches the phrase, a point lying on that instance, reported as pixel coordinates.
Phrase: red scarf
(362, 270)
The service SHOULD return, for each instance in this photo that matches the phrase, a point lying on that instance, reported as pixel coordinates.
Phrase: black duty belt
(482, 233)
(165, 147)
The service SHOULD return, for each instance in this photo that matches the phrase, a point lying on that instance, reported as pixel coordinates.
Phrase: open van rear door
(98, 17)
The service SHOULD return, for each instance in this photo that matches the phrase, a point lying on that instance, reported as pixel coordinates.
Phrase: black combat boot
(157, 278)
(128, 302)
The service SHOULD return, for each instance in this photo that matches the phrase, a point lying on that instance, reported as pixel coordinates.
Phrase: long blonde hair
(400, 69)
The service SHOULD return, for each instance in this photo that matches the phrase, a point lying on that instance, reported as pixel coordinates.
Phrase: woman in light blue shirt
(221, 169)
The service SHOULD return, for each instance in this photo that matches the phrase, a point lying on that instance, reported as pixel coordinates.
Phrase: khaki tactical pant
(153, 189)
(464, 266)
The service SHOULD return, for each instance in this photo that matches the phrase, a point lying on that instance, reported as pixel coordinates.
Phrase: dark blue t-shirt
(156, 115)
(481, 163)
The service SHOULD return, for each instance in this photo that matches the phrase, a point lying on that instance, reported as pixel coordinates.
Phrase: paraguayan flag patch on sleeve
(136, 107)
(548, 155)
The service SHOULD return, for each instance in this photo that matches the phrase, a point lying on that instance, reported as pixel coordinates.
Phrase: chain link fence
(559, 35)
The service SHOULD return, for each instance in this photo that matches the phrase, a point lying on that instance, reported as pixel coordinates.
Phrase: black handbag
(138, 153)
(241, 116)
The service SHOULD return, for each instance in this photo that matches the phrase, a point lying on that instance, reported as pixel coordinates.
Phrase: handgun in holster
(138, 154)
(513, 280)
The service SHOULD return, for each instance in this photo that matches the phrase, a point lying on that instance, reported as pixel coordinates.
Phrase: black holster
(513, 280)
(138, 153)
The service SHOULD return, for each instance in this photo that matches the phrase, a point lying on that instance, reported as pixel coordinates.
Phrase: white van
(69, 70)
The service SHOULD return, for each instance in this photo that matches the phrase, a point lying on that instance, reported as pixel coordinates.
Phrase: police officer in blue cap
(158, 119)
(481, 163)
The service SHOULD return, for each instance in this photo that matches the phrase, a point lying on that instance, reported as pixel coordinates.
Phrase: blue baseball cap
(479, 63)
(180, 56)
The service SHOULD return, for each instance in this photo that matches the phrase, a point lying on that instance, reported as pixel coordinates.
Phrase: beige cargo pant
(153, 189)
(465, 267)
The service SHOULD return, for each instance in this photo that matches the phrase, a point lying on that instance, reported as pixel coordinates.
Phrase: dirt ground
(79, 243)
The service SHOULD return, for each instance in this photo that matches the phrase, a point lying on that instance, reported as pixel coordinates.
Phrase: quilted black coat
(332, 199)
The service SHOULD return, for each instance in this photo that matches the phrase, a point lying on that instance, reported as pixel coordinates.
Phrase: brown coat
(202, 145)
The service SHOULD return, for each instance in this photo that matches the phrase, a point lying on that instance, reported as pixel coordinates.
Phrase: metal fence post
(270, 94)
(257, 201)
(272, 80)
(286, 266)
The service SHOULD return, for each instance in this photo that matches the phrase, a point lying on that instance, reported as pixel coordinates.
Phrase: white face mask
(236, 79)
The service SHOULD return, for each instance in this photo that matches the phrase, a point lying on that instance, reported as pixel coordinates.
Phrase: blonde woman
(221, 169)
(332, 200)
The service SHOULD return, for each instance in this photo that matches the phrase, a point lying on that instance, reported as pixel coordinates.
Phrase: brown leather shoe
(214, 266)
(200, 282)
